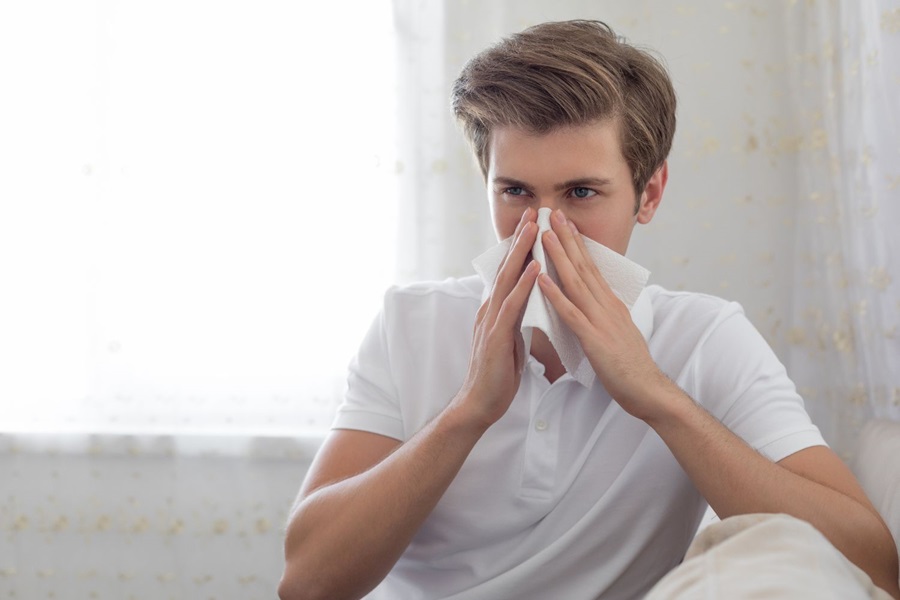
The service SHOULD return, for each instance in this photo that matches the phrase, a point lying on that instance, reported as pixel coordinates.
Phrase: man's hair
(569, 73)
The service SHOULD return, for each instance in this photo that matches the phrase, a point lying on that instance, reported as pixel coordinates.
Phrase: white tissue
(626, 279)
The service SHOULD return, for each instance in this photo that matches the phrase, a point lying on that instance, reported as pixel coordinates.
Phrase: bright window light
(197, 210)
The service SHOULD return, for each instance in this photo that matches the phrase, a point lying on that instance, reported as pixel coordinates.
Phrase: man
(465, 465)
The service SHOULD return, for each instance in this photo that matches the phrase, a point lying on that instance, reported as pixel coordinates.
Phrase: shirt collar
(642, 314)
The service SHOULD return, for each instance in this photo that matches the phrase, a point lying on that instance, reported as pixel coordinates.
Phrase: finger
(576, 288)
(514, 308)
(595, 272)
(511, 269)
(514, 304)
(528, 216)
(485, 307)
(568, 311)
(577, 253)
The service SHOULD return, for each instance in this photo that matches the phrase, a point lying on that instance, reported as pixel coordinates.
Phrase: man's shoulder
(464, 288)
(443, 301)
(689, 315)
(669, 303)
(452, 287)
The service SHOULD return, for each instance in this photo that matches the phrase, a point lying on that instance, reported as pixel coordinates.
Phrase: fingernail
(561, 217)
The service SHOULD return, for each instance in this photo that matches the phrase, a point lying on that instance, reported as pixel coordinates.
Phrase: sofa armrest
(877, 466)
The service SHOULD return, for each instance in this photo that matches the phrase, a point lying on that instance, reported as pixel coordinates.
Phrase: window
(196, 210)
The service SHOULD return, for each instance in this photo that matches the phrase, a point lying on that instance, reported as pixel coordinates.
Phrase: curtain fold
(440, 192)
(845, 315)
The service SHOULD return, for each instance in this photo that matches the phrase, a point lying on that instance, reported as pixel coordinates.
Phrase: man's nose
(547, 202)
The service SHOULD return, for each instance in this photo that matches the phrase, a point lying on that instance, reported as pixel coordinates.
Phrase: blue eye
(583, 192)
(514, 191)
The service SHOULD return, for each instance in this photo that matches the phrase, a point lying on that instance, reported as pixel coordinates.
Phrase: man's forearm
(344, 538)
(735, 479)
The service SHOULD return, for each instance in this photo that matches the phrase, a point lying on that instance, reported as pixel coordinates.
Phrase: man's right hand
(365, 496)
(498, 349)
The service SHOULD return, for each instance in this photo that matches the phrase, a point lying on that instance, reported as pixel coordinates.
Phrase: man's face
(579, 170)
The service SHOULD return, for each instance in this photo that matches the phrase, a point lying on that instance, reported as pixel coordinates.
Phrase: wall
(148, 517)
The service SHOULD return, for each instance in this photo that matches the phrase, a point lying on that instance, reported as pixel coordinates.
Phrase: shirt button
(540, 425)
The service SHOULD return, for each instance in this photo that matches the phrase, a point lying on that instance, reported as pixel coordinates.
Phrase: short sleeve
(370, 403)
(741, 382)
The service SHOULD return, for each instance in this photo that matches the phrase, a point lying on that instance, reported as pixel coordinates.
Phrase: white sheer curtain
(845, 318)
(440, 190)
(197, 210)
(197, 224)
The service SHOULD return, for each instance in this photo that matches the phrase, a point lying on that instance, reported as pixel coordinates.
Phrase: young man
(465, 465)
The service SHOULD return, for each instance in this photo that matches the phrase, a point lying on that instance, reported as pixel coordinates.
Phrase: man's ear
(652, 194)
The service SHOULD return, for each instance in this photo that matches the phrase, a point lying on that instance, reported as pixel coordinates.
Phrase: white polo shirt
(566, 496)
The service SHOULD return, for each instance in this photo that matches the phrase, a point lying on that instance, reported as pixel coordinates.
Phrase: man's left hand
(611, 341)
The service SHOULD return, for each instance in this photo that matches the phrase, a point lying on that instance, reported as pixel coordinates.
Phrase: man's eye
(514, 191)
(581, 192)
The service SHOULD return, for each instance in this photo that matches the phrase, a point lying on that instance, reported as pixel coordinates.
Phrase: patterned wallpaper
(145, 517)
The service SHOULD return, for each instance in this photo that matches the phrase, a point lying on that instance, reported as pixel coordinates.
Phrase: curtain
(440, 191)
(845, 314)
(197, 210)
(197, 219)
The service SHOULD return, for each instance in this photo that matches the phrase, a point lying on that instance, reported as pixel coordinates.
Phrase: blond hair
(569, 73)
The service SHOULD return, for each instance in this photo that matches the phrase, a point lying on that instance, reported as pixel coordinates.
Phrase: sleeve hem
(367, 421)
(787, 444)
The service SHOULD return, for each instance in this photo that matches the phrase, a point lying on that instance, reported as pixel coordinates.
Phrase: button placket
(542, 446)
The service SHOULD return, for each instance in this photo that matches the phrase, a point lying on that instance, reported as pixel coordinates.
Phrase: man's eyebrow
(509, 181)
(580, 182)
(583, 182)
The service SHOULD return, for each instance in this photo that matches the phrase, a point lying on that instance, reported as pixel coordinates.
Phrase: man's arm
(812, 484)
(366, 495)
(362, 502)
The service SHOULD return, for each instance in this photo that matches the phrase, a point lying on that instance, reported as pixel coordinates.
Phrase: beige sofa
(877, 466)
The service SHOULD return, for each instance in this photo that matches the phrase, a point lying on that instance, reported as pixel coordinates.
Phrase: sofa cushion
(877, 466)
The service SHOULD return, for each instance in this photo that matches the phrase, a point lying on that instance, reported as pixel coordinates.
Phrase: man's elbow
(297, 580)
(296, 585)
(287, 587)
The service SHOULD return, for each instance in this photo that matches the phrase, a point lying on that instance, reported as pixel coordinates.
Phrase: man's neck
(542, 350)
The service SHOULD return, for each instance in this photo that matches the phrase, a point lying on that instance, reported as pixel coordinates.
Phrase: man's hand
(498, 350)
(611, 341)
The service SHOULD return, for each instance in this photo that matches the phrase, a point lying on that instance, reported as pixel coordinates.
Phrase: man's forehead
(563, 154)
(603, 133)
